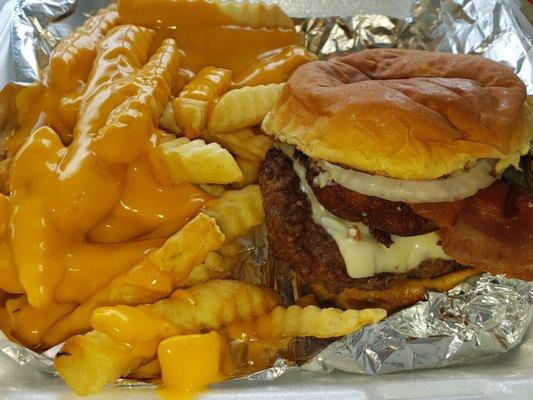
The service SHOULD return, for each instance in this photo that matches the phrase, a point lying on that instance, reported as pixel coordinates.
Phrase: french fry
(198, 162)
(218, 264)
(5, 324)
(208, 85)
(213, 190)
(132, 54)
(72, 58)
(5, 166)
(167, 121)
(151, 370)
(87, 363)
(176, 254)
(215, 304)
(191, 109)
(245, 13)
(151, 83)
(256, 15)
(250, 172)
(152, 279)
(243, 108)
(246, 144)
(121, 139)
(237, 211)
(28, 323)
(190, 115)
(313, 321)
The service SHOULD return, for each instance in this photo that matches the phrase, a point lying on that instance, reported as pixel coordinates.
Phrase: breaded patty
(380, 215)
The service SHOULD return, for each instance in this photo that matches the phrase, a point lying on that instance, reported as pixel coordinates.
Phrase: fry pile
(131, 179)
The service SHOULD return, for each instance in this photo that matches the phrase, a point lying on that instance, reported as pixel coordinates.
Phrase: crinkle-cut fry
(121, 139)
(243, 108)
(313, 321)
(208, 85)
(198, 162)
(216, 303)
(28, 323)
(246, 144)
(152, 279)
(176, 254)
(133, 52)
(218, 264)
(152, 82)
(88, 363)
(245, 13)
(158, 74)
(250, 172)
(237, 211)
(190, 115)
(256, 15)
(167, 121)
(72, 58)
(213, 190)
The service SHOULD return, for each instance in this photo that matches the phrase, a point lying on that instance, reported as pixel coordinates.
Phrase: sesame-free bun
(405, 114)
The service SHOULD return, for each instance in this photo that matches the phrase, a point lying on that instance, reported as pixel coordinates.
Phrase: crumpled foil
(481, 317)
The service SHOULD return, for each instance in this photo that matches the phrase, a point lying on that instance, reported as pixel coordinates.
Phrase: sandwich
(387, 181)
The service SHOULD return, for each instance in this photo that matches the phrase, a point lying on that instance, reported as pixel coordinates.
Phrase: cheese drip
(362, 254)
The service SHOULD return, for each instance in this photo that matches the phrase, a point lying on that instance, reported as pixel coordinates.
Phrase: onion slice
(452, 188)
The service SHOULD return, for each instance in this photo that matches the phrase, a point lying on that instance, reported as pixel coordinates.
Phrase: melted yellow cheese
(362, 254)
(132, 324)
(189, 363)
(81, 201)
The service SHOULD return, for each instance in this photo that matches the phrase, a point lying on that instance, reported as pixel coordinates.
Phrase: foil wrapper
(481, 317)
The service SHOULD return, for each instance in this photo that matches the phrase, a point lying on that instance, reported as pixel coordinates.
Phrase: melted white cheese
(362, 254)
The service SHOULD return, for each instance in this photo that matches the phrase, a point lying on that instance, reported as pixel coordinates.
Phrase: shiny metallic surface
(477, 320)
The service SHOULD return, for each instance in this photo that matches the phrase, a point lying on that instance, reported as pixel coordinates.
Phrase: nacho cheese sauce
(89, 197)
(362, 254)
(189, 363)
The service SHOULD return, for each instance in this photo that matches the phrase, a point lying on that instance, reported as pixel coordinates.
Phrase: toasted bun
(406, 114)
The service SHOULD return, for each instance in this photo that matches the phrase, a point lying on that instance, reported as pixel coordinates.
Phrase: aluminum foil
(481, 317)
(478, 318)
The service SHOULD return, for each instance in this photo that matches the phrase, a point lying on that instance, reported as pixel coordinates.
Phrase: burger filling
(363, 254)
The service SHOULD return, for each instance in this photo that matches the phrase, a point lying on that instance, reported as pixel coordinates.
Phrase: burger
(386, 179)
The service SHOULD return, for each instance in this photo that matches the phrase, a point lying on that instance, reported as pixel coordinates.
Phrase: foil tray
(469, 22)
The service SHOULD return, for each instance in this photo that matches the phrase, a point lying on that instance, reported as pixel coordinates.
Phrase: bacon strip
(492, 230)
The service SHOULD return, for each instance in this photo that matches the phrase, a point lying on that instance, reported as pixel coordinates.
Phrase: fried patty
(380, 215)
(306, 247)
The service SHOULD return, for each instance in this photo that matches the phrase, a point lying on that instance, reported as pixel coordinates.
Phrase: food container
(508, 375)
